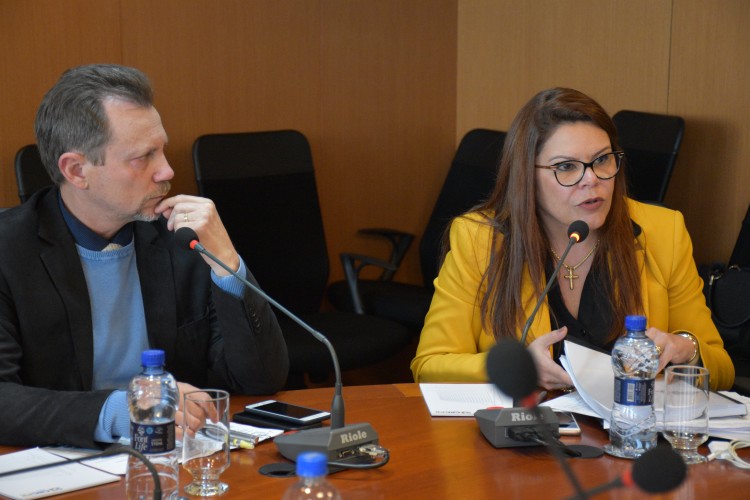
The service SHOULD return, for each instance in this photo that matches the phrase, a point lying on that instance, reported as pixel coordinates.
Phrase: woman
(560, 164)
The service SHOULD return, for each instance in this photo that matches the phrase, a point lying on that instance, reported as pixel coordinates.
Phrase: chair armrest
(400, 242)
(353, 264)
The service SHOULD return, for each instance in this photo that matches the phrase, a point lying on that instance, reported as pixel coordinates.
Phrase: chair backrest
(469, 181)
(31, 175)
(651, 142)
(263, 185)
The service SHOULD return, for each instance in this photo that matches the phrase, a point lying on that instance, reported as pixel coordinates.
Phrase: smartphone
(568, 424)
(287, 412)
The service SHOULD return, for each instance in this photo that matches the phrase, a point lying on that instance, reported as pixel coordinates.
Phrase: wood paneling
(388, 100)
(38, 41)
(616, 52)
(710, 75)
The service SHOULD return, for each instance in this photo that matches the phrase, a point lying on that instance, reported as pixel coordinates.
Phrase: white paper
(593, 378)
(46, 482)
(462, 400)
(257, 434)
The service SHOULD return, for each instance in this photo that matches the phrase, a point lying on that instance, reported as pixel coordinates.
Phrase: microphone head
(578, 230)
(659, 470)
(185, 236)
(511, 368)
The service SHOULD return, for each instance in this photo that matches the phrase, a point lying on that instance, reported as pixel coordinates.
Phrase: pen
(541, 397)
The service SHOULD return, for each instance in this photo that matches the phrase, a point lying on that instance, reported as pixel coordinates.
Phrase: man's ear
(71, 166)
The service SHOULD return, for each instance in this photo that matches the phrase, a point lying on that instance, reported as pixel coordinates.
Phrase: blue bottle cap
(637, 323)
(311, 464)
(152, 358)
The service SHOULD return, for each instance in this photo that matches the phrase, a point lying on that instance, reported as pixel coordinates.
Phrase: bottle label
(634, 392)
(152, 438)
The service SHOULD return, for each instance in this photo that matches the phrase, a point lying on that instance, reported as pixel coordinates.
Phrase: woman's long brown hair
(518, 237)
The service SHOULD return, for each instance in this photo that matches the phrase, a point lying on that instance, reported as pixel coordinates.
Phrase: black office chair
(470, 180)
(651, 142)
(31, 176)
(263, 185)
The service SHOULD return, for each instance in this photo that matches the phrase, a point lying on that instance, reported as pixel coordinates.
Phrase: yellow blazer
(453, 345)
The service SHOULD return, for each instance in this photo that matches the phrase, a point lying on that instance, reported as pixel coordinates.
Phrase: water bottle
(312, 484)
(635, 360)
(153, 400)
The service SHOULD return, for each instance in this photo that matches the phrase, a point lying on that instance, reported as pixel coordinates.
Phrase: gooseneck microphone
(344, 445)
(186, 237)
(577, 232)
(659, 470)
(511, 369)
(108, 452)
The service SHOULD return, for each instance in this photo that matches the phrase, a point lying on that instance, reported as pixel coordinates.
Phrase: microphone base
(339, 444)
(498, 426)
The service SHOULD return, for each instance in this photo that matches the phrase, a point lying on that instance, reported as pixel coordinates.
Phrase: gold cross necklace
(570, 276)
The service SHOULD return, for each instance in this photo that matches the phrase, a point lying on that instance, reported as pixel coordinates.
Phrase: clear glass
(205, 441)
(570, 172)
(686, 410)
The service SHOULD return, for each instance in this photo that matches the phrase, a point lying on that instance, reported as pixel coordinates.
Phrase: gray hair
(71, 116)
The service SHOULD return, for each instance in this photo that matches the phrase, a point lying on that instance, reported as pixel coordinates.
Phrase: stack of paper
(591, 372)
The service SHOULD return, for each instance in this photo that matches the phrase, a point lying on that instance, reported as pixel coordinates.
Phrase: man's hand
(200, 214)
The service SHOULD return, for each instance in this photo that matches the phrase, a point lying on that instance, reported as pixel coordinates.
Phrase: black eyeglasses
(570, 172)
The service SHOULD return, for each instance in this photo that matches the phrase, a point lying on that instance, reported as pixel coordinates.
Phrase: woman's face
(590, 199)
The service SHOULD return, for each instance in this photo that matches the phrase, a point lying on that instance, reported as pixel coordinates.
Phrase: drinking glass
(686, 410)
(205, 440)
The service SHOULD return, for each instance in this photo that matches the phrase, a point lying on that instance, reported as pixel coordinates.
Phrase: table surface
(443, 457)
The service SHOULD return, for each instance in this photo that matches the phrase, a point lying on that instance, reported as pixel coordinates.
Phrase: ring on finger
(185, 217)
(659, 350)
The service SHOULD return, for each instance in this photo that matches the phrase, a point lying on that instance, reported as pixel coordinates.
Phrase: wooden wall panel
(388, 110)
(709, 88)
(617, 52)
(38, 41)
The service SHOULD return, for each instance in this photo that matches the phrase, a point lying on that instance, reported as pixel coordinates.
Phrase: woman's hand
(674, 349)
(551, 375)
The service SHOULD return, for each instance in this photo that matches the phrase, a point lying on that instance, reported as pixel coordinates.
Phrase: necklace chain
(570, 276)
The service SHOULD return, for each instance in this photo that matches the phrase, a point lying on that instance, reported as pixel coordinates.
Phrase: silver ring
(185, 217)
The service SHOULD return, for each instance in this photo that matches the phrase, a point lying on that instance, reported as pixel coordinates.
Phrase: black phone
(568, 424)
(287, 412)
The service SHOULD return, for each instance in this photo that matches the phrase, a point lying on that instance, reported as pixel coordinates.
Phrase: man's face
(135, 174)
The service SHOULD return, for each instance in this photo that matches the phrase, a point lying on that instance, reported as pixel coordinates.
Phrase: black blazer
(46, 342)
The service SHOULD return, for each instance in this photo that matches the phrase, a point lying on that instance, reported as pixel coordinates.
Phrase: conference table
(444, 458)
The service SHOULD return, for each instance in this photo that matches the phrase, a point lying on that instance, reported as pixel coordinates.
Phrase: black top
(594, 313)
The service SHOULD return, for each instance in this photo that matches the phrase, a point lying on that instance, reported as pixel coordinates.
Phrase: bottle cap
(152, 358)
(637, 323)
(311, 464)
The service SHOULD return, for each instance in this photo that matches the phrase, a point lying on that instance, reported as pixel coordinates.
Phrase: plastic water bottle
(312, 484)
(152, 399)
(635, 361)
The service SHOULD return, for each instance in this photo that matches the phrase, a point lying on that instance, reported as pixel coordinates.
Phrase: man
(90, 275)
